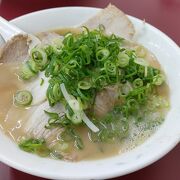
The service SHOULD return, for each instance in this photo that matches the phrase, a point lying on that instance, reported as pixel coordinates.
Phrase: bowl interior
(168, 54)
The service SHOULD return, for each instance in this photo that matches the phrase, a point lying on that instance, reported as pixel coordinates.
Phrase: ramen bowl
(158, 145)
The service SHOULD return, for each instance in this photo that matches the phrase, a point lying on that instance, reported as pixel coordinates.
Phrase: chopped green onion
(82, 95)
(100, 81)
(132, 104)
(55, 120)
(76, 118)
(102, 54)
(25, 72)
(72, 63)
(158, 79)
(39, 56)
(57, 45)
(23, 98)
(110, 68)
(42, 82)
(37, 146)
(56, 91)
(53, 93)
(123, 60)
(68, 40)
(52, 115)
(32, 66)
(138, 83)
(84, 85)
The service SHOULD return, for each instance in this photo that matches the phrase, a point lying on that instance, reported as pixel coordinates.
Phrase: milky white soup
(89, 96)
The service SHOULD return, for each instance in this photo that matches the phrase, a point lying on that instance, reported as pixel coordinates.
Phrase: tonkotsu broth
(12, 122)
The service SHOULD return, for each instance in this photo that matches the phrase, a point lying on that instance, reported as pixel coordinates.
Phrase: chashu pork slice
(15, 50)
(105, 100)
(35, 125)
(114, 21)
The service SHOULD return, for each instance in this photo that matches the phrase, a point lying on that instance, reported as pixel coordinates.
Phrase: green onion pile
(79, 67)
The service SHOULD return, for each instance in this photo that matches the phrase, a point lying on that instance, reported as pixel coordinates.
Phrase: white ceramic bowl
(168, 54)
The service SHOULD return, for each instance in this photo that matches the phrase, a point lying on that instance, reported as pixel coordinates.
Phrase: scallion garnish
(41, 82)
(23, 98)
(122, 60)
(36, 146)
(40, 58)
(26, 71)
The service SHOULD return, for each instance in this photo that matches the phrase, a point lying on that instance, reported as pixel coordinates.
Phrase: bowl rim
(109, 174)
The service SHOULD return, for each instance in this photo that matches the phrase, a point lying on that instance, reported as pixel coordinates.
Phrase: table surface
(163, 14)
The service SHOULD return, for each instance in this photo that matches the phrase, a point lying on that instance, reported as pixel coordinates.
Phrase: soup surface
(26, 123)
